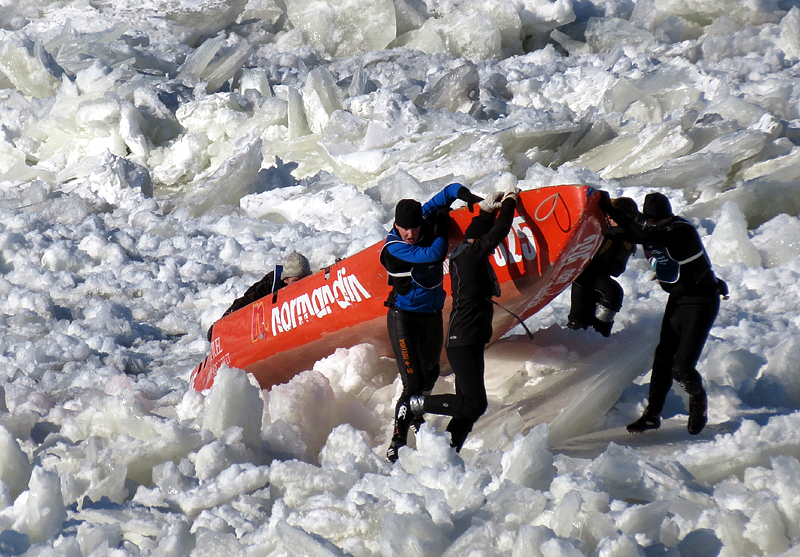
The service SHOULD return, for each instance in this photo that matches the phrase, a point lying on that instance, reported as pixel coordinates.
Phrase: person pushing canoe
(413, 256)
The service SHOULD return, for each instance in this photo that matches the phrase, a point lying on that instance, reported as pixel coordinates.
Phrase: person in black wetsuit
(294, 268)
(470, 328)
(595, 296)
(413, 256)
(683, 269)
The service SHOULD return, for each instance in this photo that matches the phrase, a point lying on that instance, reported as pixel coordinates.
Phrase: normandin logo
(343, 292)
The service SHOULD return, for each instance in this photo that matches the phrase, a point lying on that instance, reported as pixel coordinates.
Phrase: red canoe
(555, 233)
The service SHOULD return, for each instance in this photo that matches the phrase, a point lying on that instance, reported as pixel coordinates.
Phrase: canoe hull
(555, 233)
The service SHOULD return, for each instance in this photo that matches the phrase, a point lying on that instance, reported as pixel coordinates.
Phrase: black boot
(698, 413)
(604, 320)
(602, 327)
(576, 325)
(649, 420)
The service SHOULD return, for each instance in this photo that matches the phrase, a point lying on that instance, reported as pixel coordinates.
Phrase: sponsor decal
(569, 270)
(520, 244)
(406, 359)
(341, 293)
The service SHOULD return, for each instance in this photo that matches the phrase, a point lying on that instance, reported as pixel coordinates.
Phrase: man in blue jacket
(413, 257)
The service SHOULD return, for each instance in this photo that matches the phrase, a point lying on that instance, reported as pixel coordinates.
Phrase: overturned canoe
(555, 233)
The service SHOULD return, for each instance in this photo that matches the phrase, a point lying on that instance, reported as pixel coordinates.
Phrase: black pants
(469, 403)
(589, 290)
(417, 342)
(684, 330)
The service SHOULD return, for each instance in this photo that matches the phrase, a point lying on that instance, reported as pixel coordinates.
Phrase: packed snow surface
(159, 156)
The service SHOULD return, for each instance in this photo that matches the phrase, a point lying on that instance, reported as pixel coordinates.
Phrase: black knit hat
(656, 206)
(408, 213)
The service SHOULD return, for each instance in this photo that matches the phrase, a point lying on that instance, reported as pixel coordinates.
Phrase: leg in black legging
(417, 342)
(469, 402)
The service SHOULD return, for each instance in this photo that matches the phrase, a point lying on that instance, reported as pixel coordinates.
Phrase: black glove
(442, 225)
(465, 195)
(605, 201)
(722, 288)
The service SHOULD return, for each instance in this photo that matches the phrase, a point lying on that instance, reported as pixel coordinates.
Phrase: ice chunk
(205, 17)
(114, 175)
(472, 35)
(564, 517)
(320, 98)
(621, 472)
(729, 242)
(505, 14)
(407, 18)
(226, 65)
(234, 400)
(349, 450)
(531, 540)
(778, 240)
(302, 542)
(15, 470)
(234, 179)
(604, 34)
(638, 152)
(28, 66)
(539, 17)
(778, 382)
(694, 173)
(790, 33)
(785, 168)
(255, 79)
(296, 114)
(200, 58)
(91, 536)
(400, 185)
(457, 90)
(345, 27)
(44, 509)
(297, 482)
(650, 12)
(529, 462)
(266, 10)
(308, 404)
(237, 480)
(411, 535)
(425, 39)
(644, 520)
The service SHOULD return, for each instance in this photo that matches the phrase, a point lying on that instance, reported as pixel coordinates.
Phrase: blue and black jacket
(416, 270)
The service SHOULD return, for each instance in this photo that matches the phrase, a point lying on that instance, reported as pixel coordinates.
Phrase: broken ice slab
(456, 91)
(234, 179)
(28, 66)
(216, 74)
(638, 152)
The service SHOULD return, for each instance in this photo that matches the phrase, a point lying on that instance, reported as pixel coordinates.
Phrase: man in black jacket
(473, 285)
(294, 268)
(683, 269)
(595, 296)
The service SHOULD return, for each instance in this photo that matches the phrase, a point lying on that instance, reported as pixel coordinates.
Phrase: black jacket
(611, 258)
(473, 280)
(676, 253)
